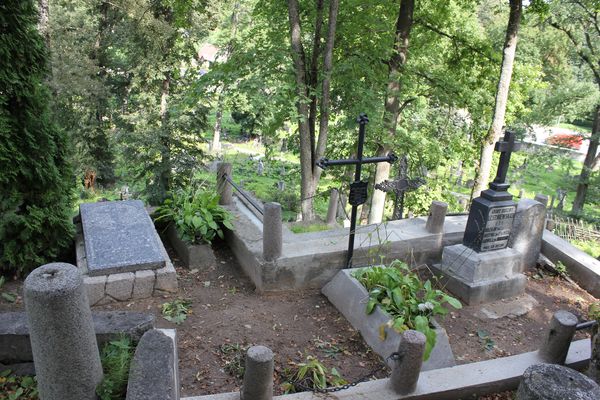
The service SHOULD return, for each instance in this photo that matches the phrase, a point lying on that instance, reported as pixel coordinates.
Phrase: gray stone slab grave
(119, 236)
(349, 296)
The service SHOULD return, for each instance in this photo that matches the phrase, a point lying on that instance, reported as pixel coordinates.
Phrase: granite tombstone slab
(119, 236)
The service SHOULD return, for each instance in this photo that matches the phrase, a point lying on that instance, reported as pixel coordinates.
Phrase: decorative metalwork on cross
(358, 188)
(400, 186)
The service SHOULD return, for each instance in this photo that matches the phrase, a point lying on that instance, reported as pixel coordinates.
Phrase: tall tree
(392, 106)
(36, 180)
(579, 20)
(508, 56)
(312, 148)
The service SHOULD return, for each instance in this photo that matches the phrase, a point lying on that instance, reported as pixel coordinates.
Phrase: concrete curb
(581, 267)
(349, 297)
(461, 381)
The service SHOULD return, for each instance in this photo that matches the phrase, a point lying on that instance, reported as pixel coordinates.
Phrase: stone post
(437, 215)
(333, 206)
(542, 198)
(594, 368)
(63, 341)
(272, 232)
(258, 377)
(407, 367)
(224, 189)
(556, 345)
(555, 382)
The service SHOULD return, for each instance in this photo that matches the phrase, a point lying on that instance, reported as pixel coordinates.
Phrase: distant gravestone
(119, 236)
(260, 168)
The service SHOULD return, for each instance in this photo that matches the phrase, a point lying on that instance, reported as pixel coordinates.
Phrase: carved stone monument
(483, 269)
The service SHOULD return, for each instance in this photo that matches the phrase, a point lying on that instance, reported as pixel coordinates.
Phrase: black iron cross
(506, 148)
(358, 188)
(400, 186)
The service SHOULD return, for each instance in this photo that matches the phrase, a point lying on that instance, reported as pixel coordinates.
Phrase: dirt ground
(227, 316)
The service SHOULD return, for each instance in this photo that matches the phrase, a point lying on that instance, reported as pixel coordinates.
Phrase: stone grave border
(104, 289)
(349, 297)
(192, 255)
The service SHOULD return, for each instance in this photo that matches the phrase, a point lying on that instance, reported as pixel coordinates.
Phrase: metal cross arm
(324, 162)
(505, 147)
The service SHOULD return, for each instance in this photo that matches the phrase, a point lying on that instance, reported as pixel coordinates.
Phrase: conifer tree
(35, 178)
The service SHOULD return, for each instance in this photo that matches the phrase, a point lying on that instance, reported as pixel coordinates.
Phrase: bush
(115, 357)
(197, 215)
(36, 182)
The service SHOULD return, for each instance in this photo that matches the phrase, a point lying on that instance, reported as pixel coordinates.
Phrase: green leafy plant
(177, 310)
(310, 375)
(14, 387)
(115, 357)
(406, 298)
(197, 215)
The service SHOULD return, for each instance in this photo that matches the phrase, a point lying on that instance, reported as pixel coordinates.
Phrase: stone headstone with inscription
(483, 269)
(119, 236)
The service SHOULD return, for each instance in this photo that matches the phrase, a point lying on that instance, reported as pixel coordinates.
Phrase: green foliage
(17, 387)
(591, 247)
(176, 311)
(311, 374)
(36, 180)
(406, 298)
(115, 357)
(197, 215)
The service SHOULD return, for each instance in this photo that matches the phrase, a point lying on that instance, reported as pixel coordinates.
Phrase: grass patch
(589, 246)
(576, 128)
(115, 357)
(300, 228)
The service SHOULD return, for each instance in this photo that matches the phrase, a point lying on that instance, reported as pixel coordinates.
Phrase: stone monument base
(478, 278)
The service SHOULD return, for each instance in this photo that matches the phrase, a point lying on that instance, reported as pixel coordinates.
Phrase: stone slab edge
(461, 381)
(582, 268)
(349, 297)
(172, 334)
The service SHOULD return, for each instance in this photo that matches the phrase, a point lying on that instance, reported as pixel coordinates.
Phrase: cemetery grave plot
(227, 314)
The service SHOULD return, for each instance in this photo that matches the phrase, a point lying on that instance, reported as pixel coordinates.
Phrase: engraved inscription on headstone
(498, 227)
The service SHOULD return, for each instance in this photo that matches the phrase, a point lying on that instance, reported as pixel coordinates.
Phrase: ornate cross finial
(506, 148)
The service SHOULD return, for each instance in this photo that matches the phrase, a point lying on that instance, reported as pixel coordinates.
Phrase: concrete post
(63, 341)
(542, 198)
(556, 345)
(333, 206)
(258, 377)
(224, 189)
(437, 215)
(272, 232)
(406, 369)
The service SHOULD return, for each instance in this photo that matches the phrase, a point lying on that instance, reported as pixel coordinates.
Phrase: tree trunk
(165, 139)
(392, 102)
(313, 76)
(482, 175)
(43, 23)
(588, 165)
(215, 146)
(326, 85)
(306, 163)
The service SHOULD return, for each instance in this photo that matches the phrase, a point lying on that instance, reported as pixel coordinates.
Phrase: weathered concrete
(193, 255)
(143, 285)
(582, 268)
(407, 365)
(120, 286)
(166, 279)
(593, 370)
(526, 234)
(119, 237)
(258, 376)
(272, 232)
(479, 278)
(542, 198)
(349, 297)
(459, 382)
(65, 351)
(554, 382)
(151, 375)
(310, 260)
(15, 345)
(224, 189)
(510, 308)
(437, 215)
(555, 347)
(95, 287)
